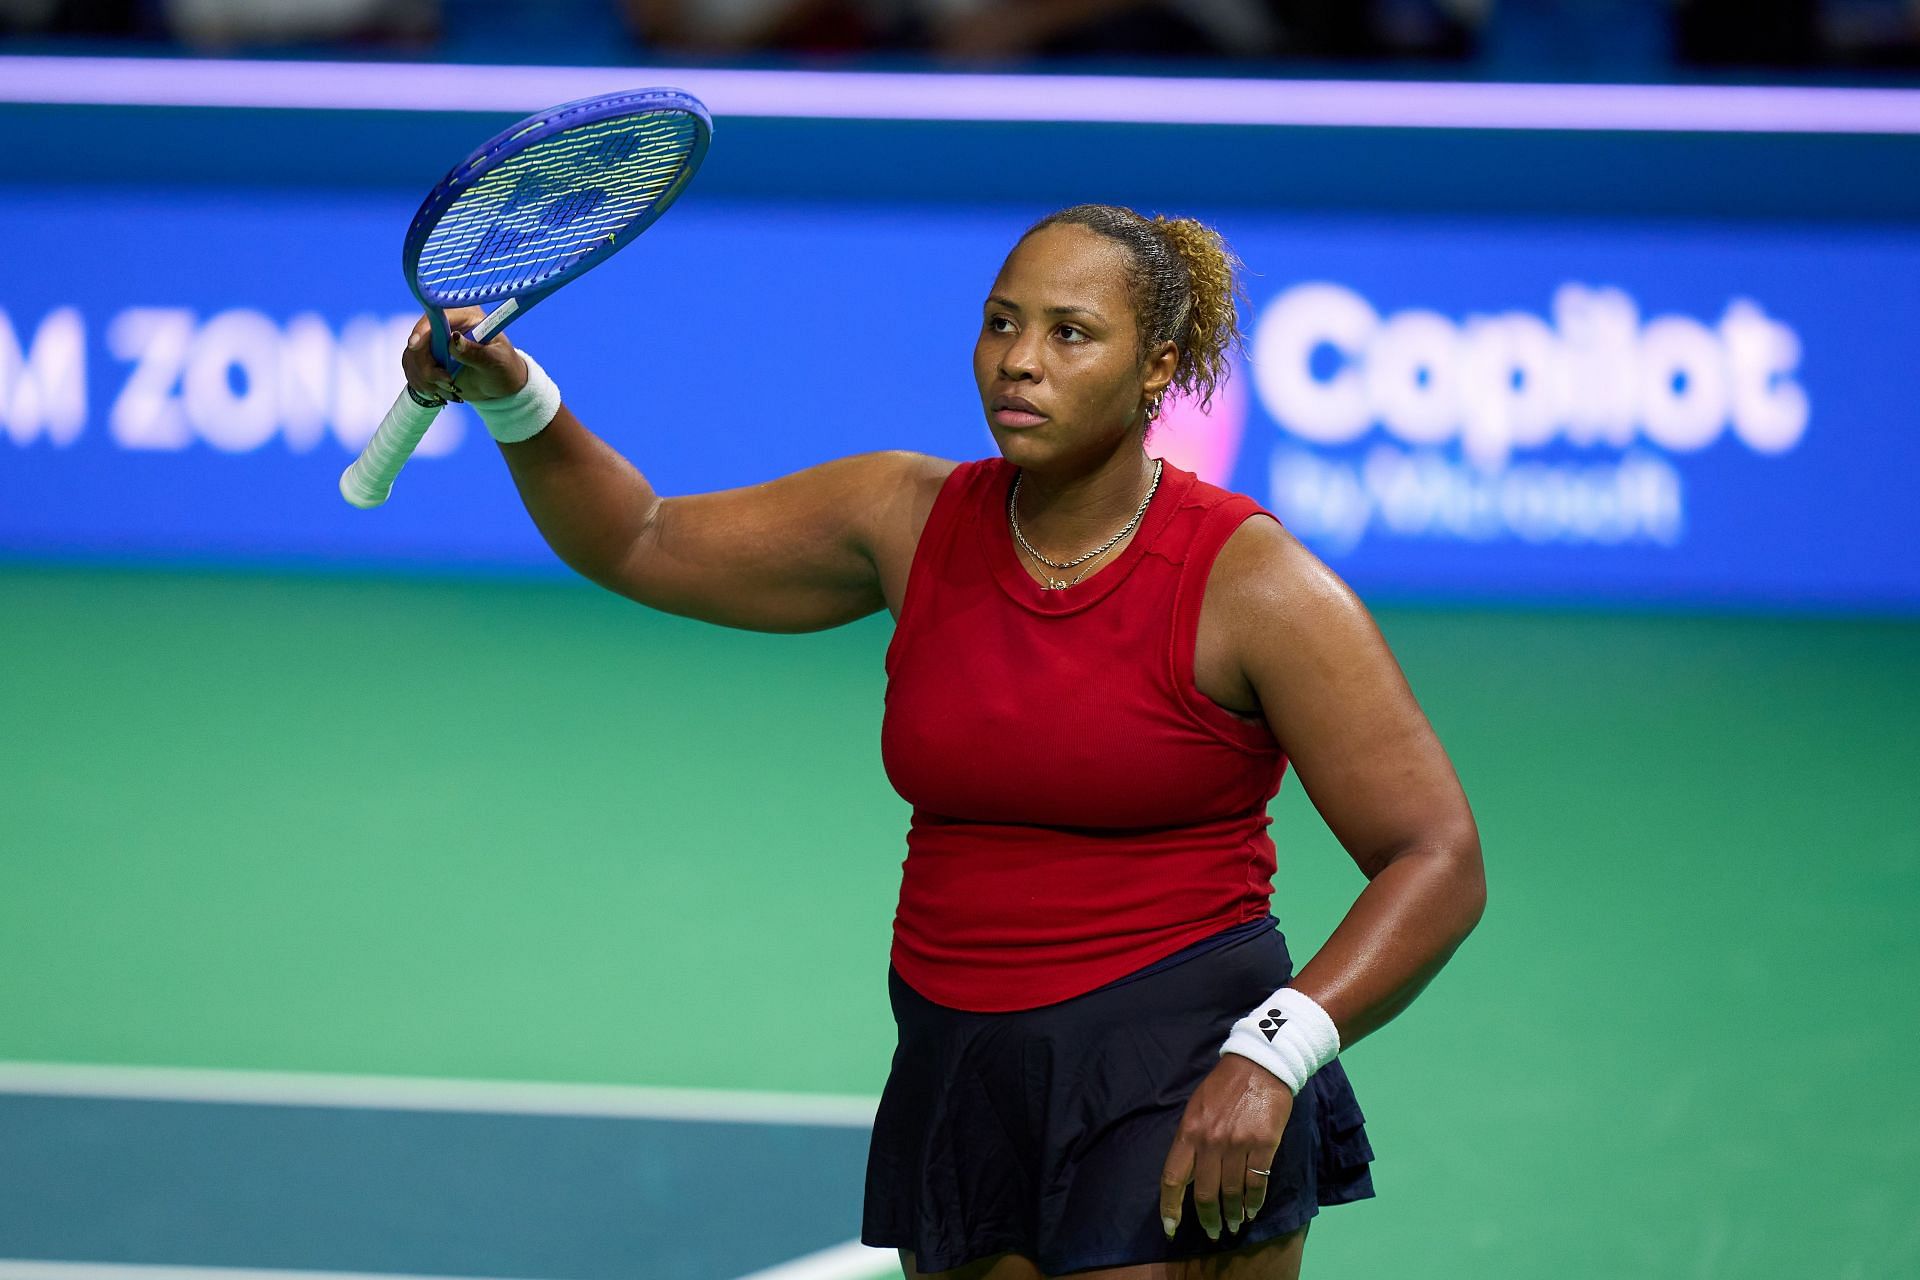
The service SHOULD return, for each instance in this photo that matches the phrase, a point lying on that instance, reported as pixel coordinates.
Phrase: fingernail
(1214, 1234)
(1171, 1224)
(415, 339)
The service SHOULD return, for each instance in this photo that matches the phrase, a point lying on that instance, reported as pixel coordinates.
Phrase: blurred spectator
(72, 17)
(1750, 33)
(1871, 33)
(971, 30)
(1341, 29)
(225, 23)
(1799, 33)
(737, 26)
(1502, 39)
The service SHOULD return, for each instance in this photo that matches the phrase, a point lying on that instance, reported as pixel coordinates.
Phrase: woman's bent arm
(810, 550)
(795, 554)
(1300, 647)
(1372, 766)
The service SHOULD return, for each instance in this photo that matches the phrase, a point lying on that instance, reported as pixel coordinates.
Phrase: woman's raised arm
(807, 551)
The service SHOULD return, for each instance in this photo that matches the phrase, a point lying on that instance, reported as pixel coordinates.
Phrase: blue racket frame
(510, 142)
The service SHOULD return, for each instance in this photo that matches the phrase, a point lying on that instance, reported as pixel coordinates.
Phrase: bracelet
(425, 401)
(1289, 1034)
(525, 413)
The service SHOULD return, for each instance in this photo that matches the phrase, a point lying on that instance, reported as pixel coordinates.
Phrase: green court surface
(529, 832)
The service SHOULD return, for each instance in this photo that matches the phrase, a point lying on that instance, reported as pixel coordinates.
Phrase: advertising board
(1480, 408)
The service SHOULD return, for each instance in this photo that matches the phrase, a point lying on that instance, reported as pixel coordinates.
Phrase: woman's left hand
(1232, 1126)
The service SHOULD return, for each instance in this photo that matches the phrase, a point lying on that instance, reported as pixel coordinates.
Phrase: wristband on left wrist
(1289, 1034)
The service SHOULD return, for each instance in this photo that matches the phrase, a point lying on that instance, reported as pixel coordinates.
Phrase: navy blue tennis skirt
(1043, 1132)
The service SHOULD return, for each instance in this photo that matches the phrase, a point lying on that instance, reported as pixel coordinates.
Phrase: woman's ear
(1160, 366)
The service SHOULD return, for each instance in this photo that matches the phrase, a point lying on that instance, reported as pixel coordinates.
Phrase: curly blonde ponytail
(1185, 284)
(1212, 322)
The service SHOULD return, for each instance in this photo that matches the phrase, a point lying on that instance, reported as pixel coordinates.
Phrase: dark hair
(1183, 280)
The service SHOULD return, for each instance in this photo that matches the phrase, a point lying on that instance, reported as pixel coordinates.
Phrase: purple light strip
(158, 82)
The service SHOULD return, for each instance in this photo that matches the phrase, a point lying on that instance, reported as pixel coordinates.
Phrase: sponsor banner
(1483, 408)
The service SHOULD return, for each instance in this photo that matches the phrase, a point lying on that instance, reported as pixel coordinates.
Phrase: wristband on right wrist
(525, 413)
(1289, 1034)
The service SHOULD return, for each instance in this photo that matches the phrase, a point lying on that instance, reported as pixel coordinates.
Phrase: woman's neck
(1065, 515)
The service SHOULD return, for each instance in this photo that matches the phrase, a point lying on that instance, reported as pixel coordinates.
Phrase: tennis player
(1100, 668)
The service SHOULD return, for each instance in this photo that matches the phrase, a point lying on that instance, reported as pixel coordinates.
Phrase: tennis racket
(539, 204)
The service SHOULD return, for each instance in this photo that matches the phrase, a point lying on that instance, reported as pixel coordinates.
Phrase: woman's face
(1057, 332)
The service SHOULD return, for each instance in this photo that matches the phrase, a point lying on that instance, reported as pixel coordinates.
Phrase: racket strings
(539, 212)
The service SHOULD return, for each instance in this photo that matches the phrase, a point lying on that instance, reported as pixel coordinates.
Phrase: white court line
(849, 1261)
(30, 1269)
(883, 95)
(407, 1093)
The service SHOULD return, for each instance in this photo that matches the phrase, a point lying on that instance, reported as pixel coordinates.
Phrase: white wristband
(1289, 1034)
(525, 413)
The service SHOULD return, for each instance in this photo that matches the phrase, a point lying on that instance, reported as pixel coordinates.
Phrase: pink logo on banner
(1207, 444)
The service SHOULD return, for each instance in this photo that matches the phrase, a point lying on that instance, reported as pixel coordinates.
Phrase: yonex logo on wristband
(1294, 1038)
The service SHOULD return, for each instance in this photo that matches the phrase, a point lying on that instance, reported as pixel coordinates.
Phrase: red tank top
(1080, 808)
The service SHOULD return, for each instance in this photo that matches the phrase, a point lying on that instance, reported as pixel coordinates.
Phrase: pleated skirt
(1043, 1132)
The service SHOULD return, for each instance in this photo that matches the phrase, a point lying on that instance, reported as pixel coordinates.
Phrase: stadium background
(630, 857)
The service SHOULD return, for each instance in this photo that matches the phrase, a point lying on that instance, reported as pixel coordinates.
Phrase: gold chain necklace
(1052, 583)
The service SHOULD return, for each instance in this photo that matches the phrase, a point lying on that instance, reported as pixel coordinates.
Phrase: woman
(1100, 668)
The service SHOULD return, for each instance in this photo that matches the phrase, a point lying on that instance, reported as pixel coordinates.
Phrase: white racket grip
(369, 480)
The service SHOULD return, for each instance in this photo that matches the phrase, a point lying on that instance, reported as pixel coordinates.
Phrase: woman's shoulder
(1250, 556)
(1264, 578)
(886, 497)
(963, 481)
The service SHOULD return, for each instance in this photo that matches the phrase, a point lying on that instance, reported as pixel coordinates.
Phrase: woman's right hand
(486, 372)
